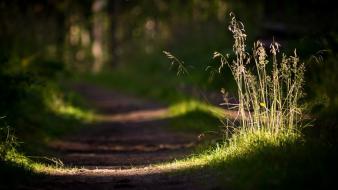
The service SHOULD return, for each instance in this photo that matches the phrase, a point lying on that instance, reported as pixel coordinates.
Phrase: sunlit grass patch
(10, 156)
(259, 160)
(22, 166)
(14, 163)
(56, 103)
(185, 107)
(195, 116)
(237, 148)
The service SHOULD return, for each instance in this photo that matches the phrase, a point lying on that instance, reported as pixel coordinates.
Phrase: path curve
(131, 132)
(119, 151)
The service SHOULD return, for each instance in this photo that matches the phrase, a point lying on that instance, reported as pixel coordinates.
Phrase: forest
(168, 94)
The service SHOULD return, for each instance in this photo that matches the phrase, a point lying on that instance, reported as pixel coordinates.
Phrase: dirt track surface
(119, 151)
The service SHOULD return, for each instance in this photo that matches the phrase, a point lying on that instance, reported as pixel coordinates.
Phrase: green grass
(257, 161)
(15, 167)
(70, 105)
(59, 113)
(266, 149)
(195, 116)
(18, 170)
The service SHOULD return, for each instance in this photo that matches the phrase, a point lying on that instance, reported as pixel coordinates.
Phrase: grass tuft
(264, 147)
(268, 88)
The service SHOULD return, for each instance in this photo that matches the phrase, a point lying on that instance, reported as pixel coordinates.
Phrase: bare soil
(119, 151)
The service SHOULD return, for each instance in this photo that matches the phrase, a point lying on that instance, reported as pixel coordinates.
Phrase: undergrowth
(257, 161)
(264, 146)
(48, 112)
(17, 168)
(268, 91)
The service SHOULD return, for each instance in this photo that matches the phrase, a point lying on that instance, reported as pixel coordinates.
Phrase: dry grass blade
(175, 62)
(268, 98)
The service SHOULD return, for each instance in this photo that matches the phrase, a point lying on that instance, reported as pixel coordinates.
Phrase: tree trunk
(99, 32)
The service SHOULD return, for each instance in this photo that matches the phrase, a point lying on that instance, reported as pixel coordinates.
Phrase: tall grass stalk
(8, 142)
(269, 85)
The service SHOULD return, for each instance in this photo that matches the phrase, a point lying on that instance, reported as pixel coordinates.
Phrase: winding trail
(119, 151)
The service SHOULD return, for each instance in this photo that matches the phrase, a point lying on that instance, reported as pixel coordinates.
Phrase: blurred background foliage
(45, 41)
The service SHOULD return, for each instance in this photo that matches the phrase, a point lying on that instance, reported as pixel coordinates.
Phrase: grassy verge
(195, 116)
(257, 161)
(58, 111)
(48, 111)
(267, 149)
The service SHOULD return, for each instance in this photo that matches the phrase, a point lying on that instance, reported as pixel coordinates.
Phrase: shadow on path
(118, 152)
(130, 132)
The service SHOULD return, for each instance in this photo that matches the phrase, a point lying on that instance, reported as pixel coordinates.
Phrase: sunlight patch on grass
(52, 169)
(240, 147)
(46, 165)
(78, 113)
(17, 158)
(58, 105)
(195, 116)
(185, 107)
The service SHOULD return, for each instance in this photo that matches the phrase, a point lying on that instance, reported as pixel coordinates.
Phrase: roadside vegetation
(273, 143)
(34, 110)
(265, 147)
(271, 110)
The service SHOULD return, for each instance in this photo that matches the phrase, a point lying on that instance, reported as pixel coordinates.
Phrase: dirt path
(119, 151)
